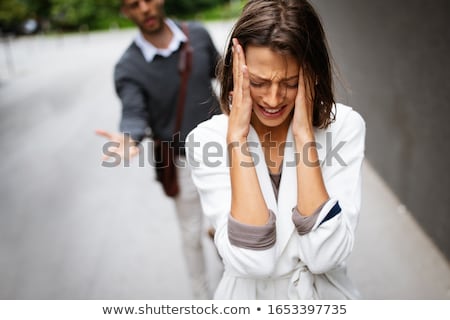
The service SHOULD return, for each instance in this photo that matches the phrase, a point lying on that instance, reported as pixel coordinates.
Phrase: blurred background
(18, 17)
(72, 229)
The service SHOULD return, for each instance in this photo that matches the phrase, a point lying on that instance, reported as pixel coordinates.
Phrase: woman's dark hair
(290, 27)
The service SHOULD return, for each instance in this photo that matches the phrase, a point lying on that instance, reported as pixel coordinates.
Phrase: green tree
(12, 13)
(93, 14)
(41, 9)
(74, 13)
(189, 7)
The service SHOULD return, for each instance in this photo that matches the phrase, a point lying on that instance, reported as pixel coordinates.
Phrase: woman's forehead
(267, 64)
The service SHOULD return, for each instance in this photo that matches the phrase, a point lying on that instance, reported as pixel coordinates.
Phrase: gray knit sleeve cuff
(252, 237)
(304, 224)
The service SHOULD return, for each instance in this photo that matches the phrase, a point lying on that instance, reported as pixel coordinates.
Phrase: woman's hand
(303, 114)
(247, 202)
(311, 191)
(121, 145)
(241, 102)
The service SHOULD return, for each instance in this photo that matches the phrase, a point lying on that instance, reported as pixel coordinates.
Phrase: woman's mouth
(271, 112)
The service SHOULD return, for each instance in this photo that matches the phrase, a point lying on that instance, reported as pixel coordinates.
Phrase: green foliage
(92, 13)
(38, 8)
(102, 14)
(12, 12)
(229, 10)
(184, 8)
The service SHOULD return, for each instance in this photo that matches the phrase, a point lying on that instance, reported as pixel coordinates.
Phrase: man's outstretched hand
(120, 146)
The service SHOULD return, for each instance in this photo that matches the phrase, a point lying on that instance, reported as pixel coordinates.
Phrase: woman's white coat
(296, 267)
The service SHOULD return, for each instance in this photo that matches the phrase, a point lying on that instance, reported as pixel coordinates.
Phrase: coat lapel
(287, 196)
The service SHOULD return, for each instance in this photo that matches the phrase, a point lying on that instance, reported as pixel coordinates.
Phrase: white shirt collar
(150, 51)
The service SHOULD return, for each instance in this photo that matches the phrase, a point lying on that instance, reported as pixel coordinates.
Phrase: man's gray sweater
(149, 91)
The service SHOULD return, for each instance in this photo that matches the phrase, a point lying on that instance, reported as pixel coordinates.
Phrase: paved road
(72, 229)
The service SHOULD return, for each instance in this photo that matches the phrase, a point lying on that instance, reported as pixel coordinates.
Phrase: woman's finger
(246, 98)
(304, 100)
(236, 65)
(243, 72)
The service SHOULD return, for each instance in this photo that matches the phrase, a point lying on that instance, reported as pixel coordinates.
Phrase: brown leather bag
(166, 171)
(165, 152)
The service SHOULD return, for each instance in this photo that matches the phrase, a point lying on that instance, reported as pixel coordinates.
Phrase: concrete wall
(393, 58)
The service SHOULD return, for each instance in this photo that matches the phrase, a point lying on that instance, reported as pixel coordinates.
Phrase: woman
(283, 187)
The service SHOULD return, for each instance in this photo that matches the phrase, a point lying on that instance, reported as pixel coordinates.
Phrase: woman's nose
(273, 96)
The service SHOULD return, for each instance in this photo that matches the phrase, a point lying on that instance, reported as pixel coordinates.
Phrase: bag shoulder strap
(184, 67)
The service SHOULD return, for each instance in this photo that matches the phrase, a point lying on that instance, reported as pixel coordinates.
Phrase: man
(147, 82)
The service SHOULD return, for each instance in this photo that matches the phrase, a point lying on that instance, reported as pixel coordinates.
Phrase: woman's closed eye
(262, 84)
(258, 84)
(291, 85)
